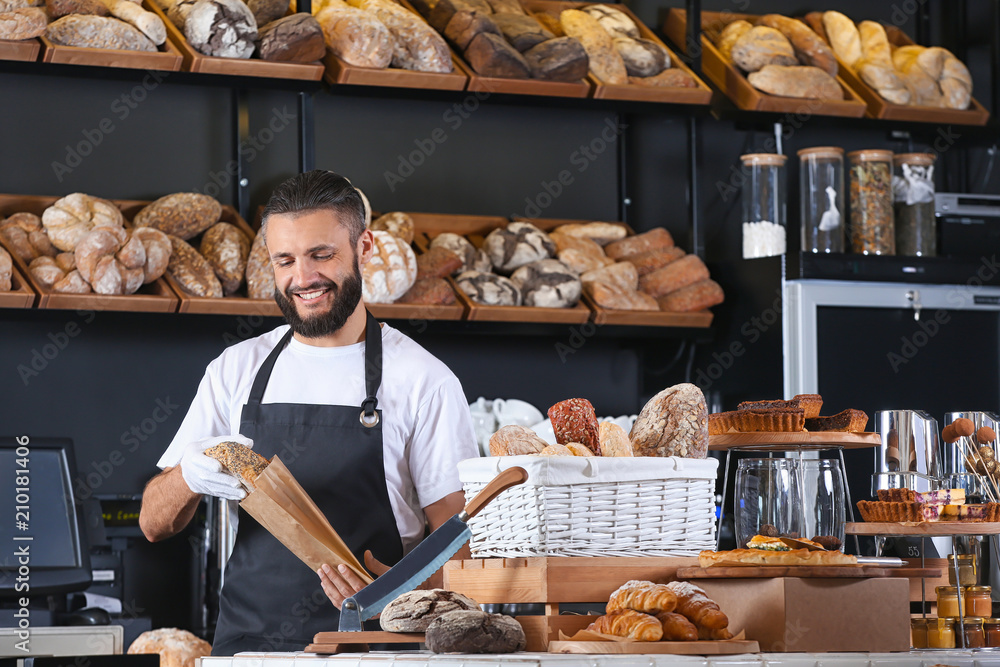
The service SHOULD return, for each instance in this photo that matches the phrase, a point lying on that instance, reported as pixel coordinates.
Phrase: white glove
(204, 475)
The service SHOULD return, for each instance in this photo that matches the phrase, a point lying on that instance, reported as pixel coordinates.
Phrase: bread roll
(492, 55)
(183, 214)
(809, 48)
(149, 23)
(177, 648)
(23, 23)
(605, 61)
(803, 82)
(601, 233)
(391, 271)
(762, 46)
(675, 275)
(6, 270)
(192, 271)
(417, 46)
(547, 283)
(26, 237)
(221, 28)
(416, 610)
(574, 420)
(875, 67)
(260, 274)
(844, 37)
(696, 296)
(732, 32)
(355, 36)
(71, 218)
(72, 283)
(45, 270)
(614, 440)
(514, 440)
(240, 461)
(489, 289)
(673, 423)
(556, 450)
(517, 244)
(615, 297)
(620, 274)
(158, 250)
(657, 238)
(642, 57)
(577, 449)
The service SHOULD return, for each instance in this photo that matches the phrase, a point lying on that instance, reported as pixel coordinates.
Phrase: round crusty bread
(415, 610)
(176, 647)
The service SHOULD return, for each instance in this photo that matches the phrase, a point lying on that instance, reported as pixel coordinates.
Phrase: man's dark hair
(319, 190)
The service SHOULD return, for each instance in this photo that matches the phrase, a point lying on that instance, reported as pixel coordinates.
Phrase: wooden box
(20, 295)
(340, 71)
(167, 57)
(475, 228)
(552, 581)
(879, 107)
(197, 62)
(734, 84)
(24, 50)
(156, 297)
(702, 94)
(237, 304)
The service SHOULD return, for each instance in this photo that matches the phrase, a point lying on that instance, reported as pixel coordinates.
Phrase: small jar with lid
(991, 628)
(941, 633)
(979, 601)
(918, 632)
(972, 632)
(913, 194)
(872, 228)
(967, 569)
(949, 603)
(821, 193)
(763, 205)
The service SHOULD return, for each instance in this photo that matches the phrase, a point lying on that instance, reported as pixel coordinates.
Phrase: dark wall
(100, 377)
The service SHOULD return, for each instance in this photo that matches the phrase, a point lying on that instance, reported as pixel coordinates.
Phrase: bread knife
(881, 561)
(426, 559)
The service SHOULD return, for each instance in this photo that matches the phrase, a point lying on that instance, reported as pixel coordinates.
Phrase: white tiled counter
(426, 659)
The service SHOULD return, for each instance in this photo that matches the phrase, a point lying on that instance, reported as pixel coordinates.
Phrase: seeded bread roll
(574, 420)
(414, 611)
(192, 271)
(673, 423)
(183, 214)
(605, 61)
(240, 461)
(260, 274)
(226, 248)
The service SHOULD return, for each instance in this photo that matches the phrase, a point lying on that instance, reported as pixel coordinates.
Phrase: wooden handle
(508, 478)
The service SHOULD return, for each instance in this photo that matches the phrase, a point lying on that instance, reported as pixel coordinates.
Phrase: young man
(371, 424)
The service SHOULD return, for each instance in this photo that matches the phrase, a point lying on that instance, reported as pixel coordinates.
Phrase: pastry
(489, 289)
(415, 610)
(751, 557)
(183, 214)
(723, 422)
(853, 421)
(673, 423)
(240, 461)
(514, 440)
(390, 272)
(644, 596)
(811, 403)
(517, 244)
(696, 606)
(176, 648)
(547, 283)
(772, 420)
(629, 624)
(676, 627)
(574, 420)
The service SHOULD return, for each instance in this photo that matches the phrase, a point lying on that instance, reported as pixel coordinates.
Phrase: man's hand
(204, 474)
(340, 583)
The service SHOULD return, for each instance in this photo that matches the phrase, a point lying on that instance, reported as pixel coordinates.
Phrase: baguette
(809, 48)
(843, 36)
(875, 67)
(748, 557)
(149, 23)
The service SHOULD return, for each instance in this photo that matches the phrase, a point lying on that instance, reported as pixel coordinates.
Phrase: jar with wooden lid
(991, 628)
(941, 633)
(968, 571)
(972, 632)
(949, 603)
(913, 194)
(821, 195)
(918, 632)
(872, 227)
(763, 205)
(979, 601)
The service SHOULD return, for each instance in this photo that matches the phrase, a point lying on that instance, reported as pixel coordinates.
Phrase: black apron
(271, 601)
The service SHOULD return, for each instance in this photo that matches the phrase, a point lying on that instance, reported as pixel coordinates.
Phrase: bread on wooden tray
(760, 557)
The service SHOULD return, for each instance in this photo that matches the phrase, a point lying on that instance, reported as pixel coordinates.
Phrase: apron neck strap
(373, 366)
(264, 374)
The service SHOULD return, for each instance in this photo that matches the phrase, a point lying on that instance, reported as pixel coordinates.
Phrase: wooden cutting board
(354, 642)
(805, 571)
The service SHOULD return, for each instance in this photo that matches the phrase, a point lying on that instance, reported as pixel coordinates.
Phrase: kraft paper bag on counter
(284, 509)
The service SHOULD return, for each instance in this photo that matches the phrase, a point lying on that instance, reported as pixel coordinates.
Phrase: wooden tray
(600, 90)
(20, 294)
(156, 297)
(416, 312)
(729, 647)
(934, 528)
(762, 441)
(357, 642)
(879, 107)
(475, 228)
(806, 572)
(196, 62)
(555, 579)
(237, 304)
(734, 84)
(24, 50)
(648, 318)
(167, 57)
(339, 71)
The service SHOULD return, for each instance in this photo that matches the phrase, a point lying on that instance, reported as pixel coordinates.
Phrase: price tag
(909, 547)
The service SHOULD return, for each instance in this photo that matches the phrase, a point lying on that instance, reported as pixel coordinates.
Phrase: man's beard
(345, 301)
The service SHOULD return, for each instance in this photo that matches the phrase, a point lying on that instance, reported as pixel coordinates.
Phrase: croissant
(676, 627)
(644, 596)
(714, 635)
(629, 624)
(696, 605)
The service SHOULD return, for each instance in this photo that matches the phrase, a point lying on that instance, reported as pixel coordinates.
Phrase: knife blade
(881, 561)
(425, 559)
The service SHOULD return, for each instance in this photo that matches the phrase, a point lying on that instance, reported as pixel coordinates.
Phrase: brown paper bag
(284, 509)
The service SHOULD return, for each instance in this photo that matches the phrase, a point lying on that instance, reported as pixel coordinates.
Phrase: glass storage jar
(949, 603)
(979, 601)
(941, 633)
(991, 627)
(972, 631)
(768, 499)
(918, 632)
(967, 570)
(913, 194)
(821, 193)
(872, 231)
(763, 205)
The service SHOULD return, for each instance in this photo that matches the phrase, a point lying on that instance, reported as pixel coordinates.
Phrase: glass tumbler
(768, 499)
(823, 500)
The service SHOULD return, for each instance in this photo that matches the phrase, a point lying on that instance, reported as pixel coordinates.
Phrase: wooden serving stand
(806, 572)
(357, 642)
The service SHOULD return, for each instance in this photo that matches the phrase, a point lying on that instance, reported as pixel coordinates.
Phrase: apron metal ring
(369, 424)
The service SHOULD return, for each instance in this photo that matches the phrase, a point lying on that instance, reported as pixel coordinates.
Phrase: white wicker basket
(592, 506)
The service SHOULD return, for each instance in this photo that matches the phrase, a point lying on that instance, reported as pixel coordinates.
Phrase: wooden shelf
(784, 441)
(929, 529)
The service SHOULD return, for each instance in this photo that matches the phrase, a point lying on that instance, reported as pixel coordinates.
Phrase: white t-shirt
(426, 423)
